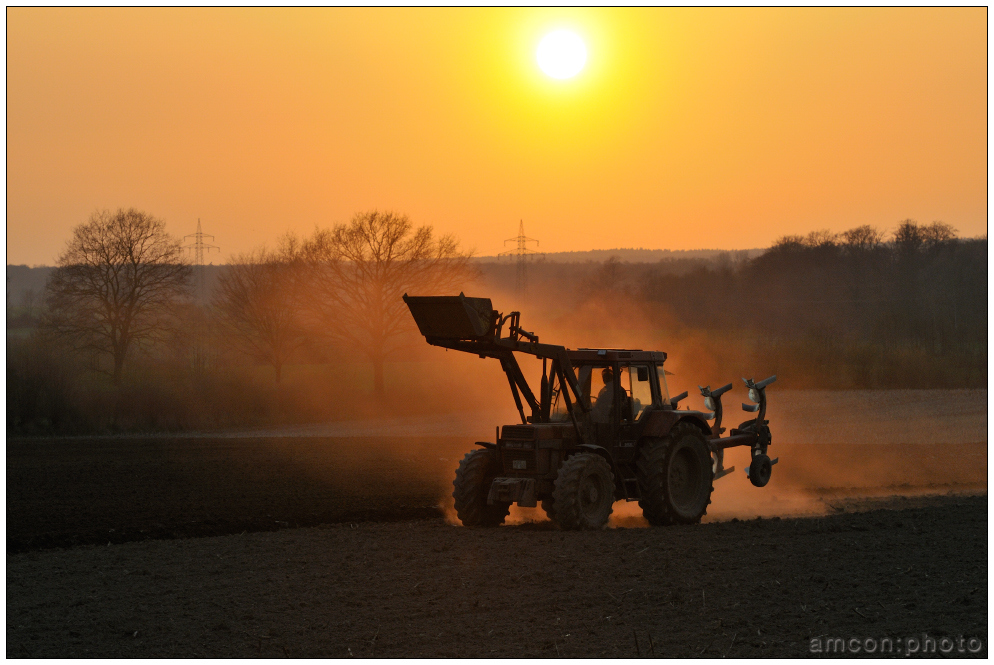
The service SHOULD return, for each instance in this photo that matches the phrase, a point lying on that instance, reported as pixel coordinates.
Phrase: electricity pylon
(203, 353)
(522, 252)
(199, 247)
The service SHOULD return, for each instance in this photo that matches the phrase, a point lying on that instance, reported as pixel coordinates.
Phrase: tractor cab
(618, 388)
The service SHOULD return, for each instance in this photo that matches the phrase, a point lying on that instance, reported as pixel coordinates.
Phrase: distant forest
(25, 284)
(840, 311)
(629, 255)
(843, 311)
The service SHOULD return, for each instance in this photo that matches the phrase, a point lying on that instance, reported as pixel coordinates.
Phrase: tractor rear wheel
(474, 477)
(583, 497)
(675, 476)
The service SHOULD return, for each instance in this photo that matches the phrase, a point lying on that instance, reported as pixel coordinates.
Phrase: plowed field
(757, 588)
(331, 546)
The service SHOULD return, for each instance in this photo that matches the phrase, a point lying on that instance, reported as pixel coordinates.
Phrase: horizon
(538, 255)
(684, 127)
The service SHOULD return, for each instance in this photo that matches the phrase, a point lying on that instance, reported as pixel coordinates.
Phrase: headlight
(709, 402)
(754, 395)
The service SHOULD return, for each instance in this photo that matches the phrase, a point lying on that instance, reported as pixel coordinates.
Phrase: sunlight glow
(561, 54)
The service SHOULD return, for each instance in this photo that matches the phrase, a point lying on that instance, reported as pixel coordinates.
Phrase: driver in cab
(601, 413)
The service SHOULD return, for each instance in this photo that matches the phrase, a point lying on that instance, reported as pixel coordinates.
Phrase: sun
(561, 54)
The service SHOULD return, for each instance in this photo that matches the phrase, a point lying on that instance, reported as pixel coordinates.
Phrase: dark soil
(912, 579)
(63, 493)
(359, 586)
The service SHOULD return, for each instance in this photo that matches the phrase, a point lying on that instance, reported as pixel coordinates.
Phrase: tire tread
(651, 472)
(565, 506)
(471, 487)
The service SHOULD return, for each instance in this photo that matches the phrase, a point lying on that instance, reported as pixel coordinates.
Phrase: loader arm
(503, 350)
(472, 325)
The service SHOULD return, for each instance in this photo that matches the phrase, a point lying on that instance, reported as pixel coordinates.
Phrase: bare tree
(822, 238)
(911, 237)
(114, 284)
(257, 300)
(360, 270)
(862, 238)
(29, 299)
(787, 244)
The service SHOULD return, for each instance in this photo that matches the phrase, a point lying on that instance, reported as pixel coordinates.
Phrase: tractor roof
(613, 355)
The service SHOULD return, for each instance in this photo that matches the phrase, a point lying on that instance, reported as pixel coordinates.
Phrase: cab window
(602, 394)
(640, 389)
(583, 378)
(663, 390)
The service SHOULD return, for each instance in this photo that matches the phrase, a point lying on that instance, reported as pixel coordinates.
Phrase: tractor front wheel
(675, 476)
(474, 477)
(583, 497)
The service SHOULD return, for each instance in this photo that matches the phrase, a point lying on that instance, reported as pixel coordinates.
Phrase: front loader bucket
(452, 317)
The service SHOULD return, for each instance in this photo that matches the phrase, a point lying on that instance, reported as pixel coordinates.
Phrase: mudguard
(661, 421)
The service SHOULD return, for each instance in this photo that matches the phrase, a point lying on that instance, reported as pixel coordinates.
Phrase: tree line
(340, 285)
(122, 292)
(858, 309)
(121, 342)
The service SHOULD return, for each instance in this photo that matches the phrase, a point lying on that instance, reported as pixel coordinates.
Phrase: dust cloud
(815, 480)
(835, 448)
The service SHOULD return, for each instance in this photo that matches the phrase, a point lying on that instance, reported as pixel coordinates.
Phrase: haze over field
(799, 190)
(685, 128)
(792, 193)
(255, 452)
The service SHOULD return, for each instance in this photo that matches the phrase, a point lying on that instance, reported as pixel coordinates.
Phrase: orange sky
(689, 128)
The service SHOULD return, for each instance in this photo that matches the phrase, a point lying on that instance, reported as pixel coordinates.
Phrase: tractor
(602, 428)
